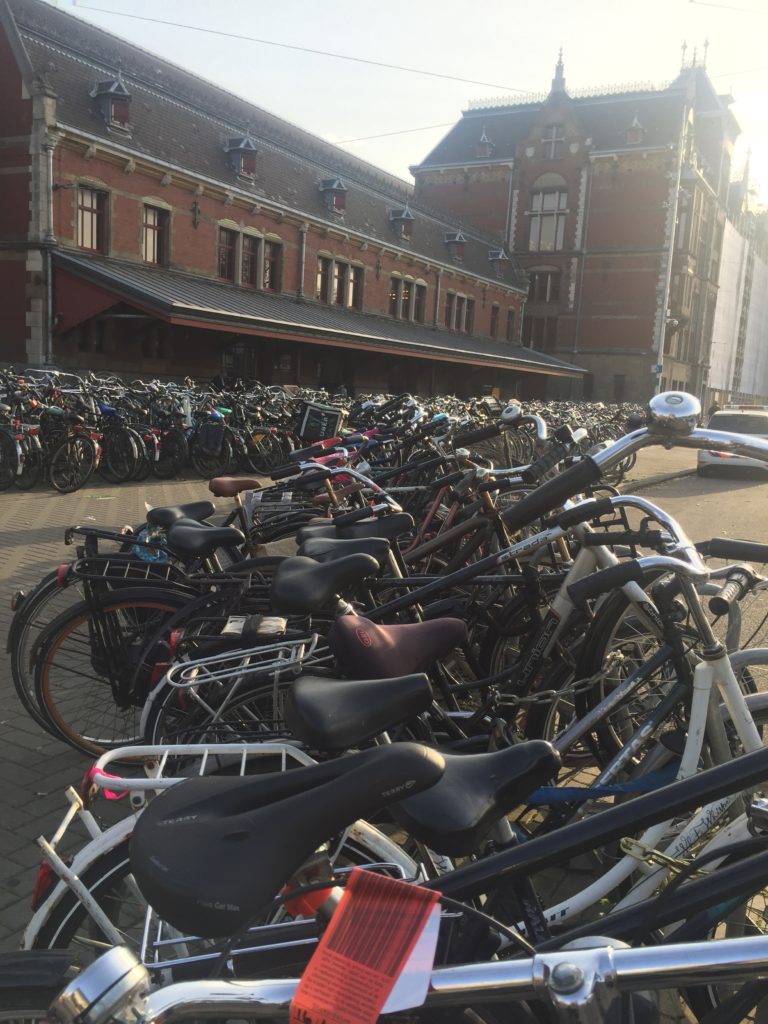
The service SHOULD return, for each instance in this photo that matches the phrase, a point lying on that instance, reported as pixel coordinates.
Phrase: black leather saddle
(302, 586)
(336, 714)
(165, 516)
(389, 527)
(328, 550)
(198, 540)
(365, 648)
(210, 852)
(474, 792)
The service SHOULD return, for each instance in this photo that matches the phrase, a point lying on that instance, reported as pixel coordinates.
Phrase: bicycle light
(111, 989)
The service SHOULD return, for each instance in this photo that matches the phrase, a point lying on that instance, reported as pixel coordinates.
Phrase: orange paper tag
(362, 953)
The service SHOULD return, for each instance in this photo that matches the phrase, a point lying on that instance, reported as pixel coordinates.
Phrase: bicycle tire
(8, 461)
(174, 452)
(72, 672)
(31, 465)
(211, 464)
(119, 455)
(28, 1005)
(146, 445)
(72, 464)
(255, 714)
(40, 607)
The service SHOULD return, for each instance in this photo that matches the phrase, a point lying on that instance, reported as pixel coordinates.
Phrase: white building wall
(754, 378)
(730, 294)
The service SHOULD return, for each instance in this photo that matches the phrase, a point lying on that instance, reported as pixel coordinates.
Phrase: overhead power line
(725, 7)
(402, 131)
(303, 49)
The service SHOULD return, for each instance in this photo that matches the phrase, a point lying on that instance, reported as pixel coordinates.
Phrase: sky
(507, 48)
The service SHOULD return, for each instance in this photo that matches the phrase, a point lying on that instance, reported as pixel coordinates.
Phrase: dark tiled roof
(604, 119)
(174, 295)
(182, 119)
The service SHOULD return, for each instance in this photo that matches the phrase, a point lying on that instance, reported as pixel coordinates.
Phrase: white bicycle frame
(101, 843)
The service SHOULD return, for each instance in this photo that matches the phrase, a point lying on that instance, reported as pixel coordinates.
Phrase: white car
(739, 420)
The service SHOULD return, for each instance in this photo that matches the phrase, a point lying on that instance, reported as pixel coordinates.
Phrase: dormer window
(455, 241)
(334, 193)
(499, 261)
(635, 134)
(242, 156)
(114, 101)
(483, 147)
(402, 222)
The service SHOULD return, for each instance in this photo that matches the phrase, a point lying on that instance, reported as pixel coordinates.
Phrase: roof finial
(683, 48)
(558, 82)
(693, 59)
(706, 47)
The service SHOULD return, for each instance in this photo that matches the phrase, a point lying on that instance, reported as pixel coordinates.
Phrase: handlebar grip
(302, 454)
(741, 550)
(551, 494)
(447, 480)
(645, 538)
(281, 472)
(502, 486)
(348, 518)
(473, 436)
(736, 587)
(317, 476)
(585, 512)
(601, 582)
(545, 464)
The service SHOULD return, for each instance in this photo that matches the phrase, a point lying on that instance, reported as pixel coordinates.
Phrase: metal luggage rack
(119, 570)
(162, 947)
(160, 767)
(199, 759)
(276, 660)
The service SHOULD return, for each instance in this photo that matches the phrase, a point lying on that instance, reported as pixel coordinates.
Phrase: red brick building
(614, 203)
(154, 224)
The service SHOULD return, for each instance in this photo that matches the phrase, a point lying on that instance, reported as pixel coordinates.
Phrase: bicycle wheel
(31, 465)
(35, 612)
(174, 452)
(91, 657)
(210, 464)
(119, 455)
(8, 461)
(204, 714)
(72, 463)
(147, 448)
(618, 644)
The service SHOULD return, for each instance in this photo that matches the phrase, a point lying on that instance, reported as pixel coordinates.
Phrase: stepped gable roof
(604, 119)
(185, 298)
(181, 119)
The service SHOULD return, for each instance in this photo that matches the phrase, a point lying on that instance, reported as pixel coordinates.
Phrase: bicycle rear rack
(114, 570)
(266, 660)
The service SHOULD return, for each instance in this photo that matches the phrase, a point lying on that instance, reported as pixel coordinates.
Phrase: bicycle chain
(579, 686)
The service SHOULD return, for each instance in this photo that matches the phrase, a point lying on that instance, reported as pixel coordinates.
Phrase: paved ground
(34, 769)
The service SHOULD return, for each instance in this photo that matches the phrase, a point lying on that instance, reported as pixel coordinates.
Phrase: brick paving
(34, 767)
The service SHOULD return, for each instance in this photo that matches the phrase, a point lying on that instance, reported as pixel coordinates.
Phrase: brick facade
(643, 178)
(420, 291)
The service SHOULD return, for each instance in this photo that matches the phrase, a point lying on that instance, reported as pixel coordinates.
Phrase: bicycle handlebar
(593, 974)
